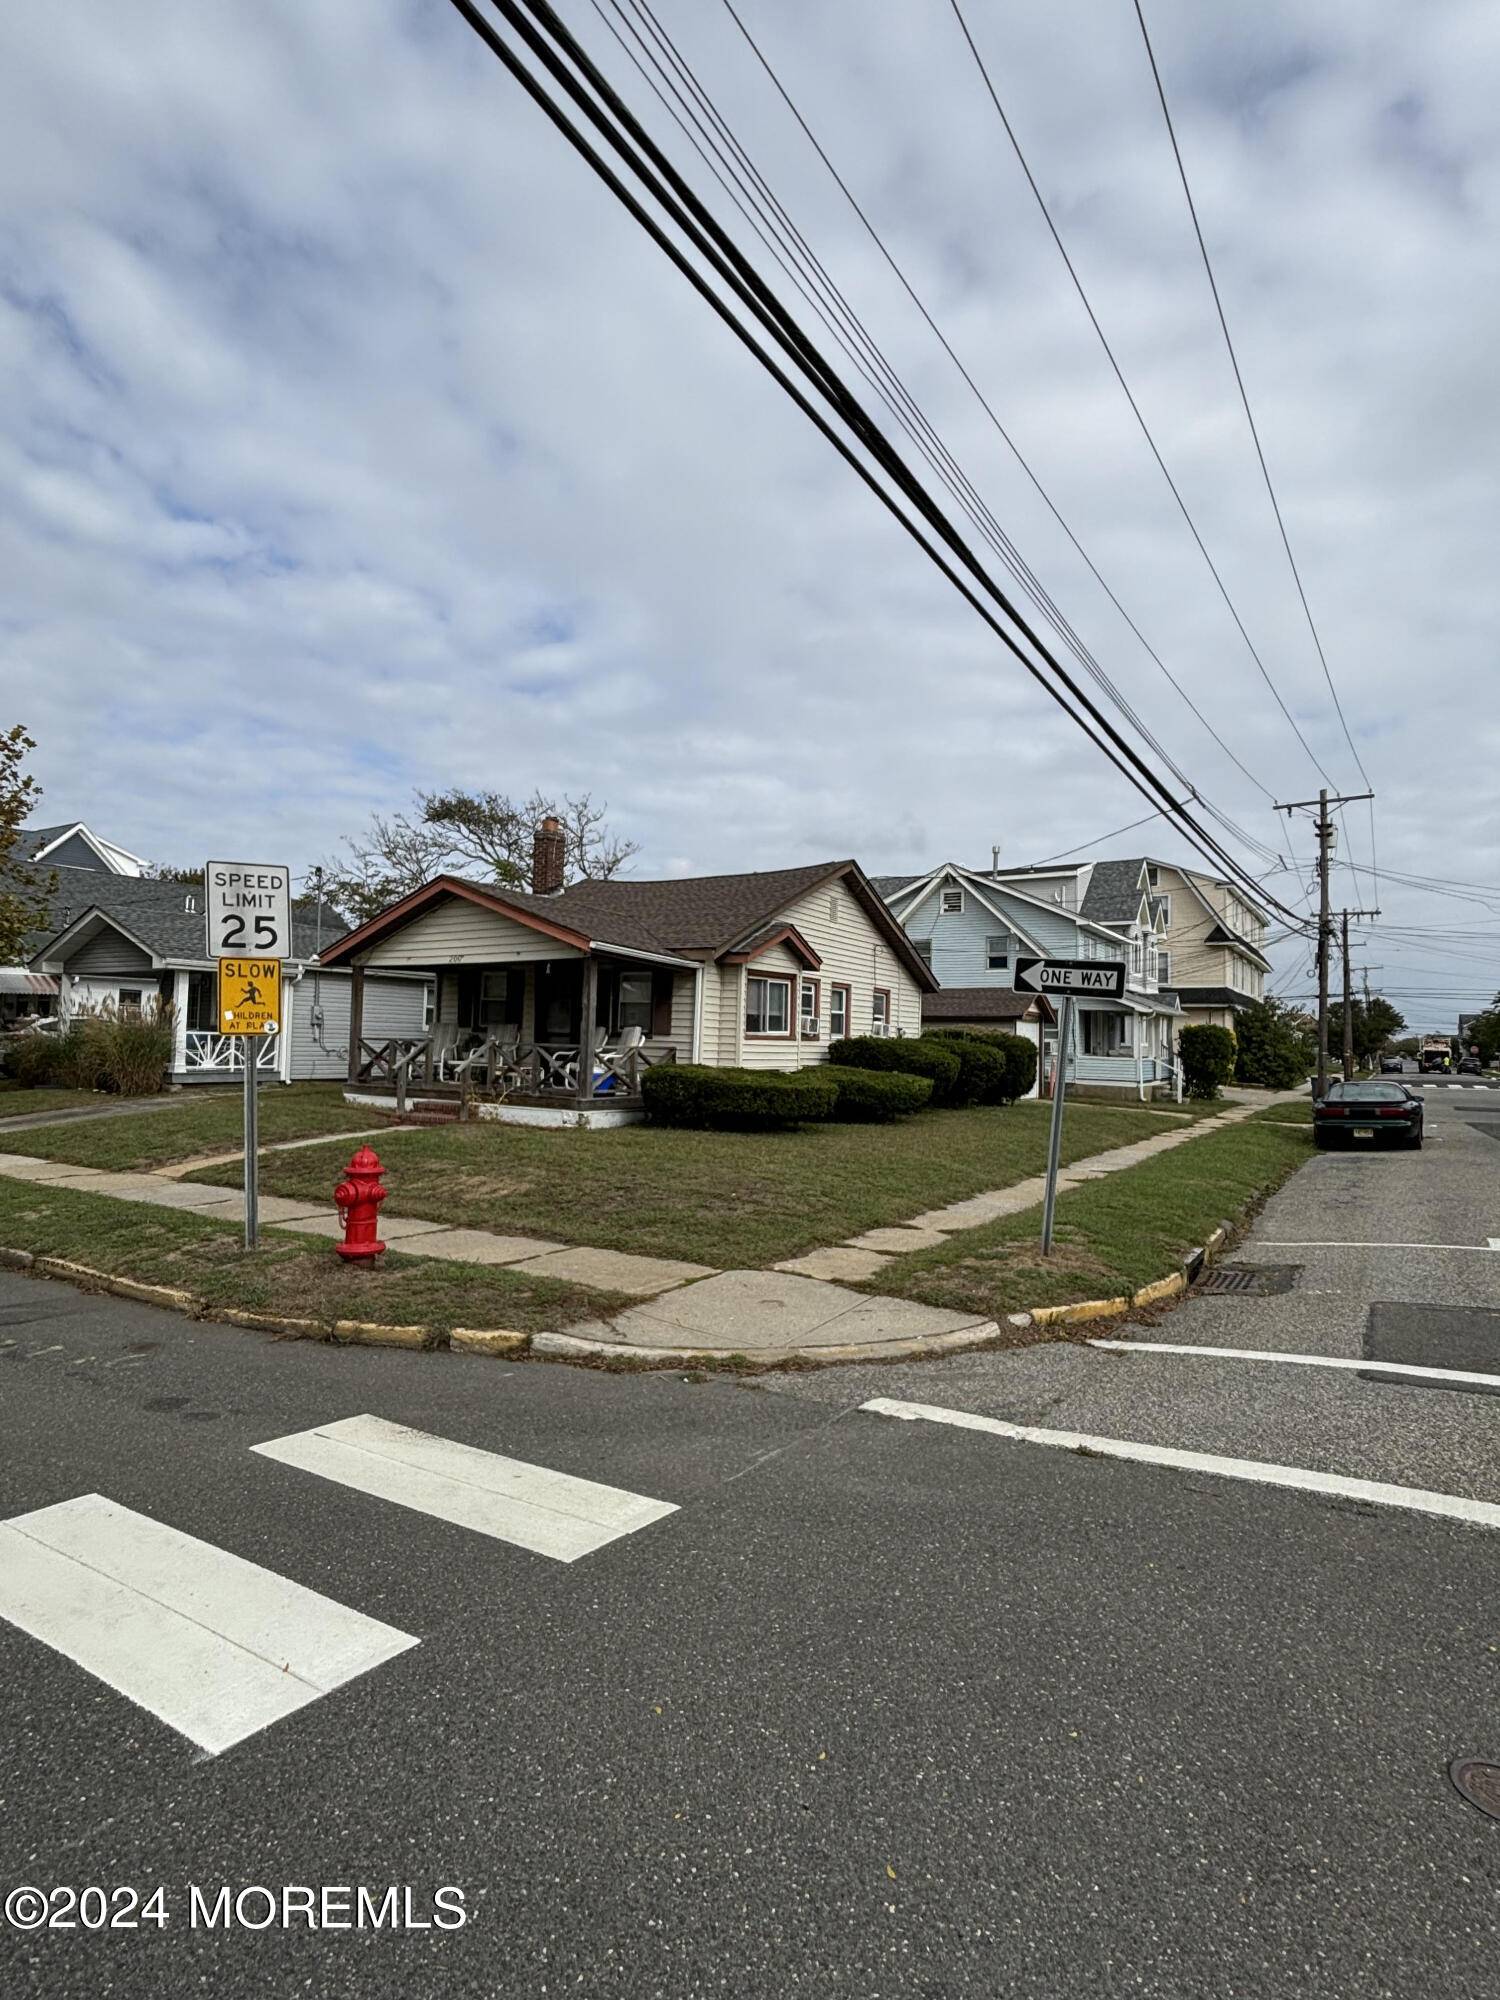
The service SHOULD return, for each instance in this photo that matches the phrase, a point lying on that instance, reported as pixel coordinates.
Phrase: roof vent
(190, 904)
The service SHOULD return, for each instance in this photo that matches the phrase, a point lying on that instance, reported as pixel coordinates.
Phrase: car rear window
(1369, 1093)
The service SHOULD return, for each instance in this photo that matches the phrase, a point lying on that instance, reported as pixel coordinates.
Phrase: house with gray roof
(755, 971)
(65, 850)
(126, 941)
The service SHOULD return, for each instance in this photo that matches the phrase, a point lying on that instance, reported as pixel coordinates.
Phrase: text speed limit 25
(249, 905)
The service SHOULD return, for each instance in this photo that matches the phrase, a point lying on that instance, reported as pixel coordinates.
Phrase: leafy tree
(1484, 1033)
(1375, 1026)
(1207, 1055)
(24, 890)
(484, 834)
(164, 871)
(1272, 1045)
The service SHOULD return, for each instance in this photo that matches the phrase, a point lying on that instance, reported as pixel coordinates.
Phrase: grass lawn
(722, 1198)
(209, 1120)
(1283, 1114)
(1112, 1236)
(18, 1102)
(288, 1274)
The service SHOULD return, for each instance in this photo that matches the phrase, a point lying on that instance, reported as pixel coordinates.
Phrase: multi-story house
(1214, 940)
(970, 924)
(74, 854)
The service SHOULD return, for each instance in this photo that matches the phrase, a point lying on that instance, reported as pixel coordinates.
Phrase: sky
(353, 439)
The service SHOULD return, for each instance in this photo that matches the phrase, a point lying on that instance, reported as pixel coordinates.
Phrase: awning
(16, 979)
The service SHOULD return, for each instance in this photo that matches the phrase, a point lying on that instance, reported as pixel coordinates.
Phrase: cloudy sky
(352, 438)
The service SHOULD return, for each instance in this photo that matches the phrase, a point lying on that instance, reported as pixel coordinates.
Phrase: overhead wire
(1129, 394)
(540, 29)
(809, 274)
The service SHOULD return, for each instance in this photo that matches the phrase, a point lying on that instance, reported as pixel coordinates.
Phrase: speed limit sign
(249, 909)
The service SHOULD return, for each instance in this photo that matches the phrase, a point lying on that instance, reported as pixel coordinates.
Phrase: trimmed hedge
(917, 1056)
(1003, 1085)
(875, 1096)
(1207, 1053)
(746, 1100)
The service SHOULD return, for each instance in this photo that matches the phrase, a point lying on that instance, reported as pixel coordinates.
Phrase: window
(838, 1012)
(1137, 956)
(1164, 966)
(1166, 910)
(953, 902)
(429, 1004)
(1153, 876)
(1105, 1034)
(635, 1001)
(495, 1000)
(130, 999)
(768, 1006)
(923, 948)
(880, 1010)
(997, 952)
(808, 1023)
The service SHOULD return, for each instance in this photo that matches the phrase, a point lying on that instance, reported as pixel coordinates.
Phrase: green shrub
(1207, 1055)
(136, 1050)
(982, 1073)
(36, 1060)
(1273, 1048)
(83, 1052)
(917, 1056)
(874, 1096)
(747, 1100)
(1020, 1065)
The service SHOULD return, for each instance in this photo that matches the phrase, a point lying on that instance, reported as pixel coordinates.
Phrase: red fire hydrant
(359, 1195)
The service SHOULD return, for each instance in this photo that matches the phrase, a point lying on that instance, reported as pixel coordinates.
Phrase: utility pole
(1348, 1007)
(1325, 920)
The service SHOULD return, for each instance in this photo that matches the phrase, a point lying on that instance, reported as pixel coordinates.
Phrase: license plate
(1364, 1131)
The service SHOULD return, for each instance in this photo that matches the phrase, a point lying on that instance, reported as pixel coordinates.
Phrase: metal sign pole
(251, 1048)
(1054, 1143)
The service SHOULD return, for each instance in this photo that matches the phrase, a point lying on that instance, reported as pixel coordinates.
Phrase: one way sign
(1101, 978)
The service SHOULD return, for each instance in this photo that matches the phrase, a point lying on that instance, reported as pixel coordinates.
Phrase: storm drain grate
(1478, 1782)
(1249, 1280)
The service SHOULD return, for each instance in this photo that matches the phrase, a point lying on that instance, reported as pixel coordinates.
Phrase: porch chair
(570, 1069)
(615, 1061)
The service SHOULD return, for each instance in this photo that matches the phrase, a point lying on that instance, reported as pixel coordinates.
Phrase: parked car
(1364, 1113)
(1392, 1065)
(1471, 1066)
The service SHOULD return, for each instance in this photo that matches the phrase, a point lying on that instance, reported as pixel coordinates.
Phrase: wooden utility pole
(1325, 921)
(1348, 1007)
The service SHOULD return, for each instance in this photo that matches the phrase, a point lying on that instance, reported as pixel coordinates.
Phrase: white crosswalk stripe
(551, 1513)
(214, 1646)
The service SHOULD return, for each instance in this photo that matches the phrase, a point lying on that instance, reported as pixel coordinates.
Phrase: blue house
(970, 925)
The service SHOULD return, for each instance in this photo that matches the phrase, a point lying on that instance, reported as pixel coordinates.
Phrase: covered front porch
(560, 1039)
(1124, 1044)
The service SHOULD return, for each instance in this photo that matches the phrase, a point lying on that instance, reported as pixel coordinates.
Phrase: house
(129, 942)
(744, 971)
(969, 925)
(27, 995)
(1214, 939)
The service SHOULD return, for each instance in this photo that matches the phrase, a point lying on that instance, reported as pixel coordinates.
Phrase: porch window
(880, 1011)
(809, 1026)
(838, 1013)
(500, 999)
(997, 952)
(635, 1005)
(130, 999)
(203, 1002)
(768, 1006)
(1105, 1034)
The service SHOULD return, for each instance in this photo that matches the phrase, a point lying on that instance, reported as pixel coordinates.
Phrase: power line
(1130, 395)
(683, 209)
(980, 397)
(1083, 846)
(1265, 470)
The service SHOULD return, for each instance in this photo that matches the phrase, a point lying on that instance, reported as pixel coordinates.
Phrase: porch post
(356, 1017)
(1140, 1057)
(586, 1029)
(179, 1020)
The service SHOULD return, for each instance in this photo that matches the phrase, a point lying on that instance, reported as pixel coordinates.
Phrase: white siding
(392, 1007)
(107, 955)
(458, 933)
(681, 1036)
(772, 1051)
(731, 1016)
(708, 1033)
(857, 955)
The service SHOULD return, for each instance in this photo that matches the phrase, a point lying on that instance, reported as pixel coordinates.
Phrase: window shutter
(661, 1003)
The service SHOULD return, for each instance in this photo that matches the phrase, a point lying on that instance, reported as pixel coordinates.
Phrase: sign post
(1065, 977)
(249, 907)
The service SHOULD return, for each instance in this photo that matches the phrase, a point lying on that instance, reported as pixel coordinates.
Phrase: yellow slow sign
(249, 996)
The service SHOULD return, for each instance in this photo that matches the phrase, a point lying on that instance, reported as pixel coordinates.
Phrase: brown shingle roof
(981, 1003)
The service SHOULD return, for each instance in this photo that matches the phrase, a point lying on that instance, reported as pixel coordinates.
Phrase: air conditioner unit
(880, 1027)
(812, 1027)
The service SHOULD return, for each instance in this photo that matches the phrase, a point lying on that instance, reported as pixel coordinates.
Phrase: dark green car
(1364, 1114)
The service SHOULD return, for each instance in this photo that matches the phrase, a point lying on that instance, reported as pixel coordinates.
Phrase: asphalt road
(884, 1709)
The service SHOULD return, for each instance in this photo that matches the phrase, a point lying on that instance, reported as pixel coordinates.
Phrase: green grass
(1283, 1114)
(1112, 1235)
(721, 1198)
(209, 1120)
(18, 1102)
(288, 1274)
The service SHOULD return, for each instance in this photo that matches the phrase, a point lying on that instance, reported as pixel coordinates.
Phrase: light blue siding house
(970, 925)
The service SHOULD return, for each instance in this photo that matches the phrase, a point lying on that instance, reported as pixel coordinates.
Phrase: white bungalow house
(130, 942)
(970, 924)
(744, 971)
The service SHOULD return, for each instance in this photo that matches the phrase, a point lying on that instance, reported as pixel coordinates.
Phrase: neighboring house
(29, 995)
(997, 1009)
(970, 924)
(741, 971)
(1215, 942)
(128, 942)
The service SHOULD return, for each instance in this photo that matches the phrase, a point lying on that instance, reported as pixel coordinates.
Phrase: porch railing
(207, 1050)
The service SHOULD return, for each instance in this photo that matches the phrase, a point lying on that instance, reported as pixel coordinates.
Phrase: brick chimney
(549, 854)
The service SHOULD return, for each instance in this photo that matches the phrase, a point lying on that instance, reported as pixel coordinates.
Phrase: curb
(489, 1340)
(575, 1347)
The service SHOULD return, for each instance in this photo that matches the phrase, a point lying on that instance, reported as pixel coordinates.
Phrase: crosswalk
(219, 1648)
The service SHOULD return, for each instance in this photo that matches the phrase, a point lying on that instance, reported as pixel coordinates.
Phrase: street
(869, 1707)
